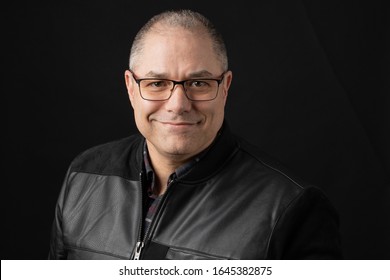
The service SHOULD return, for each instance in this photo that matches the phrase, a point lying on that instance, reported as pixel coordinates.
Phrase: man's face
(178, 128)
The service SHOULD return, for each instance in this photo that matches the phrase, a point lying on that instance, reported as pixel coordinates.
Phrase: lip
(179, 123)
(179, 126)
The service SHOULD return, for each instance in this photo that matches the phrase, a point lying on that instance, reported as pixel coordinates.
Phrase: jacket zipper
(138, 250)
(141, 241)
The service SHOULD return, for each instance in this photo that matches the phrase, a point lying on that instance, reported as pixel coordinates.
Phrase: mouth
(180, 123)
(180, 126)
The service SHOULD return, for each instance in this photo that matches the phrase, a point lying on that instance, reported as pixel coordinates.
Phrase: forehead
(175, 49)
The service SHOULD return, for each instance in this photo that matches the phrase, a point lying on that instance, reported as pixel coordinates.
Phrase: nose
(178, 103)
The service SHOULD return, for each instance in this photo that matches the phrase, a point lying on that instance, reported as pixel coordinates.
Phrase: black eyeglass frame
(139, 80)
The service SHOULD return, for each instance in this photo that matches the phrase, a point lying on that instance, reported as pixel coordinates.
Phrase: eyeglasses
(203, 89)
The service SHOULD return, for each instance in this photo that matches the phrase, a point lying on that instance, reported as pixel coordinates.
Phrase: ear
(129, 85)
(227, 80)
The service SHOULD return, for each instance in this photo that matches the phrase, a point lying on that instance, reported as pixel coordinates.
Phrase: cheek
(142, 112)
(139, 111)
(142, 108)
(213, 111)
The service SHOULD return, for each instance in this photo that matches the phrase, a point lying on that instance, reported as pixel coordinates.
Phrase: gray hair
(187, 19)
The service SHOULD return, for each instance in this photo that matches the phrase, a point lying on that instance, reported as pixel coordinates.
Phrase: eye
(198, 83)
(157, 83)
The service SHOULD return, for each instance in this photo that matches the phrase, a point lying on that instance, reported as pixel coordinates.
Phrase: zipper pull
(138, 250)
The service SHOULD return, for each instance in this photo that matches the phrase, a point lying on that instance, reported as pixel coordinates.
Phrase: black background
(310, 86)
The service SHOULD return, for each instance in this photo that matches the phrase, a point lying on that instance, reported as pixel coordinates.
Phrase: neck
(164, 166)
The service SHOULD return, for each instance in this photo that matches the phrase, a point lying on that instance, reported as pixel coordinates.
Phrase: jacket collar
(217, 154)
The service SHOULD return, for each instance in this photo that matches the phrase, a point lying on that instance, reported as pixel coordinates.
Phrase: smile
(179, 123)
(179, 126)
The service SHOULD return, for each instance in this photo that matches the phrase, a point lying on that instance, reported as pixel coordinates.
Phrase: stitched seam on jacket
(95, 251)
(269, 166)
(189, 251)
(102, 174)
(279, 218)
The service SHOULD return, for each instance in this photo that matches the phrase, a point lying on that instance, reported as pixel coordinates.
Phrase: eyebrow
(197, 74)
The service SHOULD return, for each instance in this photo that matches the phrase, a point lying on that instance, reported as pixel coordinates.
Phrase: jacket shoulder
(281, 180)
(275, 168)
(118, 157)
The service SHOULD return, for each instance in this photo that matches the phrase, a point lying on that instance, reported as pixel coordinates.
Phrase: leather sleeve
(57, 249)
(307, 229)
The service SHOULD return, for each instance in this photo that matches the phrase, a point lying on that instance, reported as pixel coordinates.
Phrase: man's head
(178, 45)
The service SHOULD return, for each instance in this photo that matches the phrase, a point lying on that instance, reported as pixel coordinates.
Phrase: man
(186, 187)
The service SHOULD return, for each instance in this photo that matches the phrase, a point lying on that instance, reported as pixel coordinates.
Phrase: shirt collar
(178, 173)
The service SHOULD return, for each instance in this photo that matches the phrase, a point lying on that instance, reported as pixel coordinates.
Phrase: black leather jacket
(236, 203)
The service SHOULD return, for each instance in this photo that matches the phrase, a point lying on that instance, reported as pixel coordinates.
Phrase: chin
(179, 145)
(179, 149)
